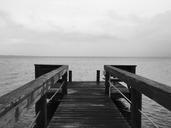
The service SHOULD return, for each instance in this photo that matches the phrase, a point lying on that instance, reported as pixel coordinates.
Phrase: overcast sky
(85, 27)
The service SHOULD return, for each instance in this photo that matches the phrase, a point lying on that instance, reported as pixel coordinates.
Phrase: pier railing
(137, 86)
(14, 103)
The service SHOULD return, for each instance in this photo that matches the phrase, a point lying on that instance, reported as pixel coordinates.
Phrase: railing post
(41, 108)
(64, 87)
(98, 76)
(70, 76)
(136, 99)
(107, 83)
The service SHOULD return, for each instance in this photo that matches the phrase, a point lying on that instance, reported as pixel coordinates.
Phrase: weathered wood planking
(158, 92)
(13, 104)
(86, 106)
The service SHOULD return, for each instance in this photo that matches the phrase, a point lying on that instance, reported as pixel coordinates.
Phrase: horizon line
(88, 56)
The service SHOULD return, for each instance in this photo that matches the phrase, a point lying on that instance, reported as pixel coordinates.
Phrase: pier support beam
(70, 76)
(136, 99)
(107, 83)
(41, 108)
(98, 76)
(64, 87)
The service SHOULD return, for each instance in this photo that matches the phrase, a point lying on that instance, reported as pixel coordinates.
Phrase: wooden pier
(86, 106)
(61, 102)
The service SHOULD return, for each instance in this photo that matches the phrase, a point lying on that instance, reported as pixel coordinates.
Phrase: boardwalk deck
(86, 106)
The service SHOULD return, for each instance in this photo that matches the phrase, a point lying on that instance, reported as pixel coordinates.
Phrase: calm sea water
(16, 71)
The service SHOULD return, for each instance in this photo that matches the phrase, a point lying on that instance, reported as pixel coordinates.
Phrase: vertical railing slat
(70, 76)
(107, 83)
(98, 76)
(64, 87)
(136, 99)
(41, 106)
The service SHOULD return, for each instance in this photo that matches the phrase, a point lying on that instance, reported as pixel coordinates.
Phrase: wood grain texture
(86, 106)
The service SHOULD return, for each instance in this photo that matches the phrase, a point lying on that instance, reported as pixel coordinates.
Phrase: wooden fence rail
(139, 85)
(14, 103)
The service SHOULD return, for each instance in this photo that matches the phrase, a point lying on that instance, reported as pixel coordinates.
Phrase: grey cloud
(151, 37)
(14, 31)
(156, 28)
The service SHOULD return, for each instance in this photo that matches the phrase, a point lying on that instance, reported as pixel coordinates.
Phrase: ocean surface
(15, 71)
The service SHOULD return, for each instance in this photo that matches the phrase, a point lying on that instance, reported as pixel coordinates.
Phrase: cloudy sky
(85, 27)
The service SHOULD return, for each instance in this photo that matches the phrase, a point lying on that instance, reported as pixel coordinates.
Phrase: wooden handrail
(137, 86)
(14, 103)
(160, 93)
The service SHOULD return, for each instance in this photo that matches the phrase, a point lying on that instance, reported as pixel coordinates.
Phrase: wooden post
(41, 106)
(98, 76)
(136, 99)
(64, 87)
(107, 83)
(70, 76)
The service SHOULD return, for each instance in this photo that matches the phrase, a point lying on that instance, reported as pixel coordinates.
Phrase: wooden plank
(13, 104)
(86, 106)
(41, 69)
(160, 93)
